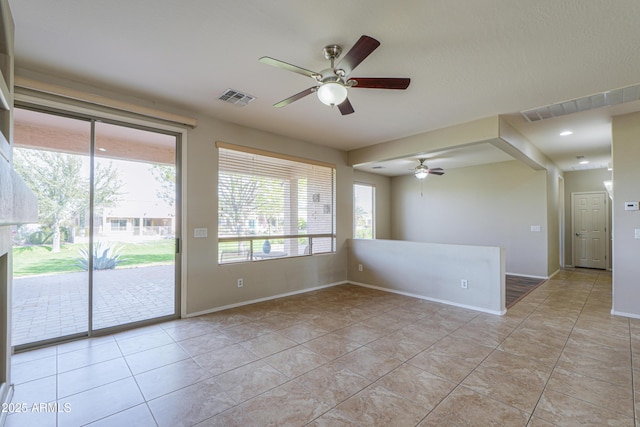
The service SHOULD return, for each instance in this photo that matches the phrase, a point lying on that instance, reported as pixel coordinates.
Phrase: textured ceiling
(466, 60)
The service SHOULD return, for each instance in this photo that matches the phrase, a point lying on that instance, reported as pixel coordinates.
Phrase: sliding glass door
(103, 254)
(134, 223)
(50, 289)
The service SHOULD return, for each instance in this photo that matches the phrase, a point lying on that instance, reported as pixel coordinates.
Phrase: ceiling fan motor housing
(332, 51)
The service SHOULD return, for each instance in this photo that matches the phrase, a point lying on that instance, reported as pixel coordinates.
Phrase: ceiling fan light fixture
(332, 93)
(421, 171)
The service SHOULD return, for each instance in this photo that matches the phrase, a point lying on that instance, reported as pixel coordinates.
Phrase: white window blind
(273, 206)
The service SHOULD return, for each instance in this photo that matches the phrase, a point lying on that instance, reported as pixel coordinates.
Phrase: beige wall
(626, 187)
(483, 130)
(489, 205)
(212, 286)
(497, 207)
(17, 203)
(578, 182)
(513, 142)
(528, 253)
(432, 271)
(553, 221)
(383, 200)
(206, 285)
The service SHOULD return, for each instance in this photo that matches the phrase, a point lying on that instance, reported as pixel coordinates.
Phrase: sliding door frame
(55, 106)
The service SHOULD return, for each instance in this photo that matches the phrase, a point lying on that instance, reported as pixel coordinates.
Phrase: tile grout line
(496, 349)
(146, 402)
(593, 291)
(459, 384)
(559, 356)
(564, 346)
(394, 369)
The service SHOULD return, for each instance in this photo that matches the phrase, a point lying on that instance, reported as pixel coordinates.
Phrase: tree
(363, 229)
(61, 186)
(244, 197)
(165, 175)
(236, 199)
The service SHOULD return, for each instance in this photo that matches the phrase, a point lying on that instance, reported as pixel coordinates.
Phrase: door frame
(561, 221)
(607, 237)
(69, 108)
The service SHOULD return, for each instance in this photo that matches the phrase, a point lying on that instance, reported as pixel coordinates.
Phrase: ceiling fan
(422, 171)
(334, 81)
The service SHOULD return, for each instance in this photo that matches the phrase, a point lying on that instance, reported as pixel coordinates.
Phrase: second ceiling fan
(334, 81)
(422, 171)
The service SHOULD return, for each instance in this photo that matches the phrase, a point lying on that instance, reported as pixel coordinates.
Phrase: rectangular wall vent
(604, 99)
(235, 97)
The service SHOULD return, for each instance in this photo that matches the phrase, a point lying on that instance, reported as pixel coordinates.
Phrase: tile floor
(348, 356)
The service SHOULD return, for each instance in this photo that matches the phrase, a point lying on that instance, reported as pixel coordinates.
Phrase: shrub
(37, 238)
(105, 257)
(44, 236)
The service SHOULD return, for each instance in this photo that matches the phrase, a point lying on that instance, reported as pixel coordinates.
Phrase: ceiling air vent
(235, 97)
(604, 99)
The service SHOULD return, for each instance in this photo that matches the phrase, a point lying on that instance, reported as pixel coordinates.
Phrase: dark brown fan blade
(381, 82)
(281, 64)
(295, 97)
(436, 171)
(346, 107)
(363, 48)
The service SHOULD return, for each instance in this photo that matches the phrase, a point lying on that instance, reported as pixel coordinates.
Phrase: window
(364, 196)
(118, 225)
(273, 206)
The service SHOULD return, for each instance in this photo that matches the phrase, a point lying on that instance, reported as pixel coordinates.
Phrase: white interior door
(589, 229)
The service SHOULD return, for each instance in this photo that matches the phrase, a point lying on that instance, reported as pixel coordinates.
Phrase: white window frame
(373, 210)
(249, 245)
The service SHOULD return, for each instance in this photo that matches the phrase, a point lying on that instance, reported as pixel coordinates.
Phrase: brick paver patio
(57, 305)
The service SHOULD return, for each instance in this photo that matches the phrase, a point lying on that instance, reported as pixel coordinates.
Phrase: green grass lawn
(31, 260)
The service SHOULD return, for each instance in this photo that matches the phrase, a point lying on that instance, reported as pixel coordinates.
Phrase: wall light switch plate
(631, 206)
(637, 233)
(535, 228)
(200, 232)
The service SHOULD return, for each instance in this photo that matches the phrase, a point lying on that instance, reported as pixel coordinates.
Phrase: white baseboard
(288, 294)
(302, 291)
(533, 277)
(623, 314)
(408, 294)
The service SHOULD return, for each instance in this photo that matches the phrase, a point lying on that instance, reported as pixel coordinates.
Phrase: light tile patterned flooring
(348, 356)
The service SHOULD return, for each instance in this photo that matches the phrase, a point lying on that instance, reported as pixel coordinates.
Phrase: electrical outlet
(240, 283)
(464, 284)
(360, 268)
